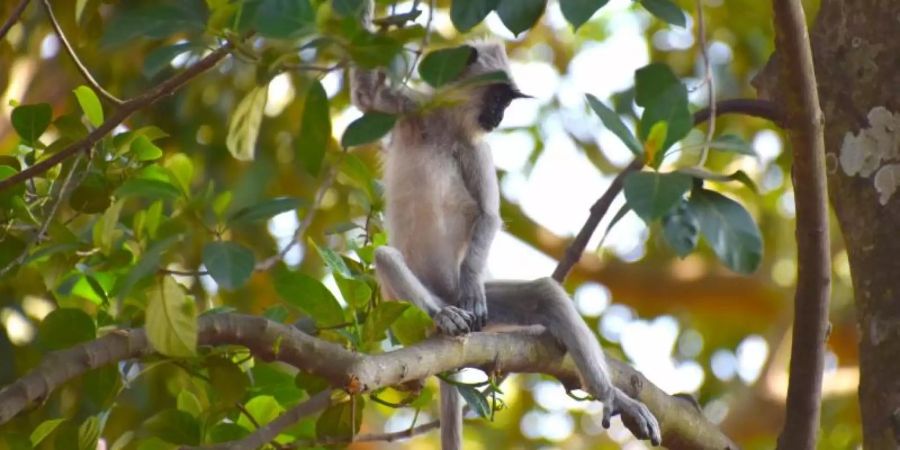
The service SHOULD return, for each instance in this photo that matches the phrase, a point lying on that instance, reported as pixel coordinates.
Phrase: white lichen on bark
(875, 150)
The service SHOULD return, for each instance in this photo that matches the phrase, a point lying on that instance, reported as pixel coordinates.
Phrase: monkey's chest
(428, 206)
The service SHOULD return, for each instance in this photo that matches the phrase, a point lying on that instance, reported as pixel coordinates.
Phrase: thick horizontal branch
(683, 427)
(128, 108)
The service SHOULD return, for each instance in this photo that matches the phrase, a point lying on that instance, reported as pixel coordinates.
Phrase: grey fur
(442, 213)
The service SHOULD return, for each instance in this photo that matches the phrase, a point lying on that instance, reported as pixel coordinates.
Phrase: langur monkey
(442, 212)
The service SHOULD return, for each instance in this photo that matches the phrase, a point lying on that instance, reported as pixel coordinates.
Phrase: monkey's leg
(544, 302)
(403, 284)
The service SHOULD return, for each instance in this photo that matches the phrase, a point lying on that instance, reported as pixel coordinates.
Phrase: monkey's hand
(472, 299)
(453, 321)
(635, 415)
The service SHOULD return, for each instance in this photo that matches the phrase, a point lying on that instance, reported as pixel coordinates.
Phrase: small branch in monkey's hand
(128, 108)
(13, 18)
(751, 107)
(357, 373)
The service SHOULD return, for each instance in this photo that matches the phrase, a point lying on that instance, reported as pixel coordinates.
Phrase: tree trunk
(857, 55)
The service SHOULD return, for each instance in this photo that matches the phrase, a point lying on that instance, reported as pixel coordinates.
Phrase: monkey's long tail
(451, 418)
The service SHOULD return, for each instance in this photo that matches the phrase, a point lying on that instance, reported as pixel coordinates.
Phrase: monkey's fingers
(609, 407)
(638, 419)
(452, 321)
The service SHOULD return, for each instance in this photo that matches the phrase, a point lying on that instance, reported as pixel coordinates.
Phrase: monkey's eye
(473, 56)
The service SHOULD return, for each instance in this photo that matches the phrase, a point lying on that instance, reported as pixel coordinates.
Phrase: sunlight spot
(19, 329)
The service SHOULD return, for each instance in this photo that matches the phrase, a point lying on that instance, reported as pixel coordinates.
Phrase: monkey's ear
(473, 56)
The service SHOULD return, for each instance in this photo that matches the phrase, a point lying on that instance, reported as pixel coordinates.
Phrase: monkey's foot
(453, 321)
(636, 417)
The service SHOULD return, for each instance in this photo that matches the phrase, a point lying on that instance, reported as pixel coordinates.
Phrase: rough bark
(857, 56)
(683, 426)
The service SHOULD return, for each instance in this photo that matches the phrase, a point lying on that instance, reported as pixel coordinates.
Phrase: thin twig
(601, 206)
(756, 108)
(81, 67)
(425, 39)
(710, 84)
(61, 197)
(764, 109)
(125, 110)
(247, 414)
(13, 18)
(305, 223)
(183, 273)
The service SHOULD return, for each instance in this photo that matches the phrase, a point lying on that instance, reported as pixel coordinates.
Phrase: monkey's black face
(496, 99)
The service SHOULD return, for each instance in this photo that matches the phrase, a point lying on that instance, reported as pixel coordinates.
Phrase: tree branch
(756, 108)
(13, 18)
(683, 426)
(125, 110)
(763, 109)
(81, 67)
(805, 127)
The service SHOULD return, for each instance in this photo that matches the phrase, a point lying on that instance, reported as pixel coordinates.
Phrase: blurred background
(689, 325)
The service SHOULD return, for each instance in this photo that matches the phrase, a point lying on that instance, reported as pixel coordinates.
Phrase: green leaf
(315, 129)
(174, 426)
(147, 265)
(729, 230)
(333, 260)
(285, 19)
(89, 433)
(356, 292)
(181, 170)
(243, 129)
(263, 408)
(612, 223)
(368, 128)
(370, 50)
(10, 249)
(664, 99)
(152, 22)
(171, 322)
(413, 326)
(145, 150)
(338, 421)
(465, 14)
(90, 105)
(46, 428)
(666, 11)
(30, 121)
(732, 143)
(312, 384)
(104, 232)
(229, 382)
(148, 188)
(230, 264)
(520, 15)
(92, 196)
(223, 432)
(475, 399)
(612, 121)
(652, 194)
(64, 328)
(263, 210)
(681, 229)
(443, 66)
(160, 58)
(188, 402)
(381, 318)
(309, 295)
(349, 8)
(577, 12)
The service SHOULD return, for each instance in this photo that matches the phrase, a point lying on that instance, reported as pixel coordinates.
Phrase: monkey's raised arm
(368, 89)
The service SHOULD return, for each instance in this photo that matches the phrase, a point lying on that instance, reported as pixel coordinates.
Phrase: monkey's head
(490, 100)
